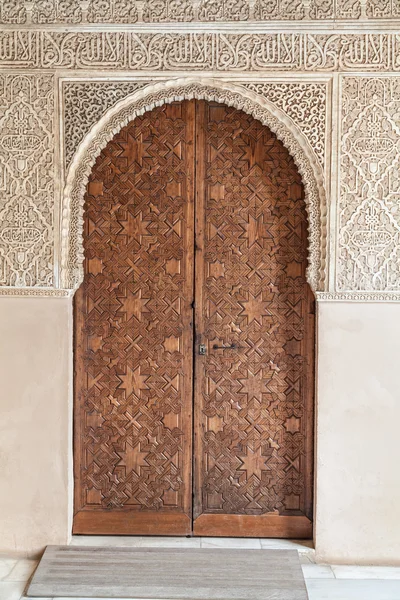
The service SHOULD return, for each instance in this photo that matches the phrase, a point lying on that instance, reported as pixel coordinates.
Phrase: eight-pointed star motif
(253, 463)
(255, 308)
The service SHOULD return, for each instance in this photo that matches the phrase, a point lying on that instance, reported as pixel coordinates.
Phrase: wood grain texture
(190, 574)
(268, 526)
(128, 522)
(255, 314)
(195, 233)
(133, 331)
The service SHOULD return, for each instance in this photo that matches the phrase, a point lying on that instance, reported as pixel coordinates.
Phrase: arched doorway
(194, 332)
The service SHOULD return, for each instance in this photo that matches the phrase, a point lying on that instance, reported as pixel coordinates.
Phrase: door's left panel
(133, 332)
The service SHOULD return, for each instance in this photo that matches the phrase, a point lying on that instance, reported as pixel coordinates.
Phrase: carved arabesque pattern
(205, 51)
(383, 9)
(155, 11)
(224, 10)
(256, 399)
(305, 103)
(159, 11)
(132, 329)
(26, 180)
(279, 9)
(127, 110)
(369, 214)
(85, 103)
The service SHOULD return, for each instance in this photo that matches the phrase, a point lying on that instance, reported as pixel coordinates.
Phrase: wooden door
(195, 235)
(255, 317)
(134, 332)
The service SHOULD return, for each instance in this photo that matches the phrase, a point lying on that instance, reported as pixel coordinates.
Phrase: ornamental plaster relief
(175, 90)
(305, 103)
(85, 103)
(156, 11)
(369, 206)
(216, 52)
(26, 180)
(366, 238)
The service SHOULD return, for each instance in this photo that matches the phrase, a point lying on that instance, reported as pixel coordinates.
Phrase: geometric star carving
(133, 381)
(134, 305)
(255, 308)
(254, 386)
(254, 229)
(135, 149)
(134, 226)
(133, 459)
(253, 463)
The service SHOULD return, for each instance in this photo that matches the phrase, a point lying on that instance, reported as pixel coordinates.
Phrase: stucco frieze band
(156, 11)
(34, 292)
(204, 51)
(356, 297)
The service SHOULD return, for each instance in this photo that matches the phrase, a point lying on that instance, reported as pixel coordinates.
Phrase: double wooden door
(194, 332)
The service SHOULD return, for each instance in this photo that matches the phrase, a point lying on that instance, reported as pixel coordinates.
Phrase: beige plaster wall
(358, 441)
(35, 423)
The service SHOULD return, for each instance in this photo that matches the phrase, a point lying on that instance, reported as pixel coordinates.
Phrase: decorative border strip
(357, 297)
(320, 296)
(168, 11)
(201, 51)
(35, 292)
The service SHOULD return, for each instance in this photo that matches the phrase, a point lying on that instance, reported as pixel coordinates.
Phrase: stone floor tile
(6, 565)
(307, 558)
(212, 542)
(170, 542)
(22, 570)
(352, 589)
(129, 541)
(46, 598)
(11, 590)
(364, 572)
(312, 571)
(278, 544)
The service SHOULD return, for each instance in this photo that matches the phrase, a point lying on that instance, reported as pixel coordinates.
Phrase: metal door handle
(230, 347)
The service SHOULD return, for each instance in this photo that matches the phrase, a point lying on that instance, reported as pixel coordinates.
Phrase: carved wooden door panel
(195, 234)
(134, 332)
(254, 313)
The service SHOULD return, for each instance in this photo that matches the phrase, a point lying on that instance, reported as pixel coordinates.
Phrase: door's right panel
(255, 314)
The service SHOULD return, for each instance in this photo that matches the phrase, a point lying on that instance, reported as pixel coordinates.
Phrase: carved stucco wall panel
(84, 103)
(368, 255)
(304, 102)
(258, 106)
(156, 11)
(201, 51)
(364, 243)
(26, 180)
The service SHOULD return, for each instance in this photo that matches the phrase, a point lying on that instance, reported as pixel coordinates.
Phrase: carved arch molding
(240, 97)
(342, 128)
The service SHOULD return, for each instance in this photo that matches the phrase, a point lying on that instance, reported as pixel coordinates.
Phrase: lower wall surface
(35, 418)
(358, 442)
(358, 411)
